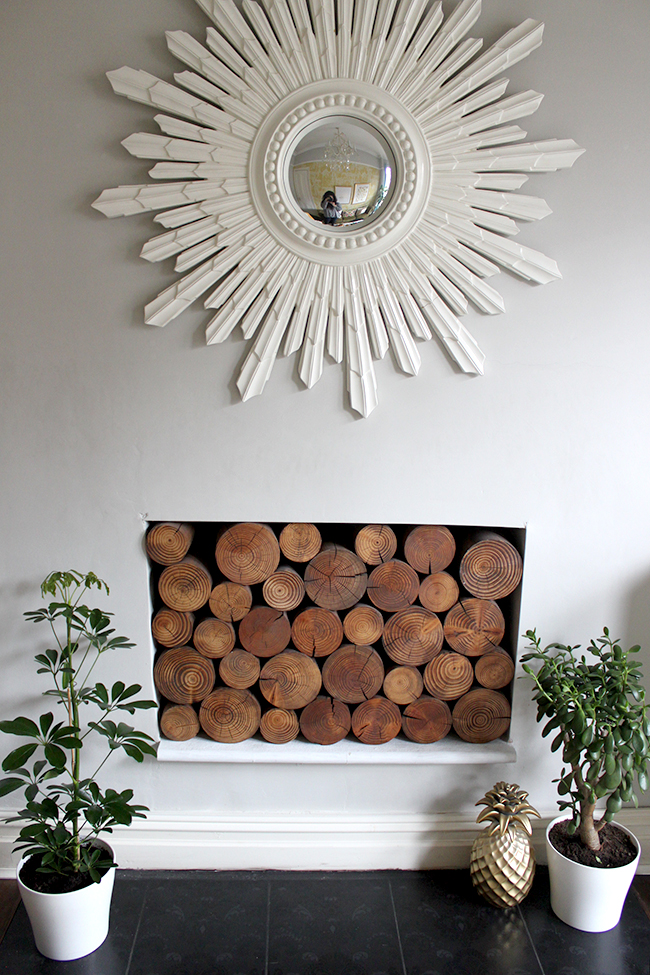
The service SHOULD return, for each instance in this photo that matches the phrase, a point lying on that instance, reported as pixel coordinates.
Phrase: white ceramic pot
(67, 926)
(588, 898)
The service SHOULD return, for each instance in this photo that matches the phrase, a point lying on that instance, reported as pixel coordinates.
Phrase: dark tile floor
(372, 923)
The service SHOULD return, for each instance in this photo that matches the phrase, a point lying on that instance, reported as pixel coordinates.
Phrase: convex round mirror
(341, 172)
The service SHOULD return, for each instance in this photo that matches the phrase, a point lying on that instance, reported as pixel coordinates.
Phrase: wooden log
(185, 586)
(265, 631)
(394, 585)
(247, 553)
(412, 636)
(363, 625)
(284, 589)
(375, 544)
(290, 680)
(439, 592)
(239, 668)
(183, 676)
(491, 567)
(481, 715)
(429, 548)
(317, 632)
(352, 674)
(426, 720)
(169, 542)
(402, 685)
(474, 626)
(230, 602)
(179, 722)
(230, 714)
(279, 726)
(448, 676)
(376, 721)
(495, 668)
(336, 578)
(300, 542)
(170, 628)
(214, 638)
(325, 721)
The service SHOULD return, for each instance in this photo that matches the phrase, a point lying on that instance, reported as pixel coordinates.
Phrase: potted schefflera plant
(66, 872)
(593, 705)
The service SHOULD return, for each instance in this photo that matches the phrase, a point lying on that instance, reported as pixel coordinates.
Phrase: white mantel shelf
(449, 751)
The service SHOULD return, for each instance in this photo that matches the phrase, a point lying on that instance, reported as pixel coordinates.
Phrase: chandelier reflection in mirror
(426, 181)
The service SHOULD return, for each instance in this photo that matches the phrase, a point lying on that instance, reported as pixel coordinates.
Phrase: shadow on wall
(638, 625)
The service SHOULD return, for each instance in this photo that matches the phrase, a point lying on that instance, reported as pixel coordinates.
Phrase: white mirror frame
(272, 69)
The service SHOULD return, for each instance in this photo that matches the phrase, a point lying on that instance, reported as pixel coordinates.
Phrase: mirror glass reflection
(341, 172)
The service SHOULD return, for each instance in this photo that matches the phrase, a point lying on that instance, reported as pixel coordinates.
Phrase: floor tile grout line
(399, 939)
(135, 936)
(532, 943)
(268, 928)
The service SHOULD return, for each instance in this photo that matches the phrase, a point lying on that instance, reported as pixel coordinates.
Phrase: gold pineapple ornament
(502, 863)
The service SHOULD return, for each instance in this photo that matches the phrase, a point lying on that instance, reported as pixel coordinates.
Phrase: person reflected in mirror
(331, 207)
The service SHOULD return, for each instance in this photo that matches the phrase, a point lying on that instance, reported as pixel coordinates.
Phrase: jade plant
(66, 809)
(593, 704)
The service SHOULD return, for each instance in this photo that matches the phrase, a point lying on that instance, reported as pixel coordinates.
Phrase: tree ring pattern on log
(169, 542)
(317, 632)
(247, 553)
(300, 542)
(474, 626)
(279, 726)
(403, 685)
(185, 586)
(214, 638)
(229, 601)
(363, 624)
(394, 585)
(429, 548)
(439, 592)
(376, 721)
(353, 674)
(230, 715)
(179, 722)
(495, 668)
(290, 680)
(325, 721)
(412, 636)
(491, 568)
(426, 720)
(183, 676)
(239, 668)
(170, 628)
(448, 676)
(336, 578)
(481, 715)
(265, 631)
(375, 544)
(284, 589)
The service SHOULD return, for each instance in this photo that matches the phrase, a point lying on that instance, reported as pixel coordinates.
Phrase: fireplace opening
(328, 633)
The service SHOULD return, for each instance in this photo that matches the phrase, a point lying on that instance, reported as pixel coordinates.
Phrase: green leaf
(642, 779)
(18, 757)
(20, 726)
(55, 756)
(10, 785)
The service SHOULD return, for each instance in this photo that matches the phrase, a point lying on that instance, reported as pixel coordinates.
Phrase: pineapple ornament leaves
(502, 862)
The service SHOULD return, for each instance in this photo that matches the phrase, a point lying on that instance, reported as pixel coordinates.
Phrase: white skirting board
(334, 842)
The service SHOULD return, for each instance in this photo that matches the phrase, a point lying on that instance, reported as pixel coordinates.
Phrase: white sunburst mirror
(381, 101)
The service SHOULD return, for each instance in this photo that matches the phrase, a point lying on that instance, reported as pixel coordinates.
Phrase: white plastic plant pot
(68, 926)
(588, 898)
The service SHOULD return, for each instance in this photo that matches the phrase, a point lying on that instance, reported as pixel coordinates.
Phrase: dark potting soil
(616, 847)
(51, 883)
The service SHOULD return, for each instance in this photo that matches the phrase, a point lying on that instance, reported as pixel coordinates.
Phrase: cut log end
(247, 553)
(279, 726)
(491, 568)
(325, 721)
(376, 721)
(375, 544)
(429, 548)
(171, 629)
(169, 542)
(300, 542)
(481, 715)
(185, 586)
(426, 720)
(474, 626)
(179, 722)
(448, 676)
(230, 715)
(353, 674)
(183, 676)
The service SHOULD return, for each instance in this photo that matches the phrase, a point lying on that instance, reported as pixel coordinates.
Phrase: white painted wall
(107, 422)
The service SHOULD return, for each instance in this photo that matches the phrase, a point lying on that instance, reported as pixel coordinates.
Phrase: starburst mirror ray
(385, 105)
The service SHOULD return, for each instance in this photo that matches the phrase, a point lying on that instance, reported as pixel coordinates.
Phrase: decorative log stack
(333, 630)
